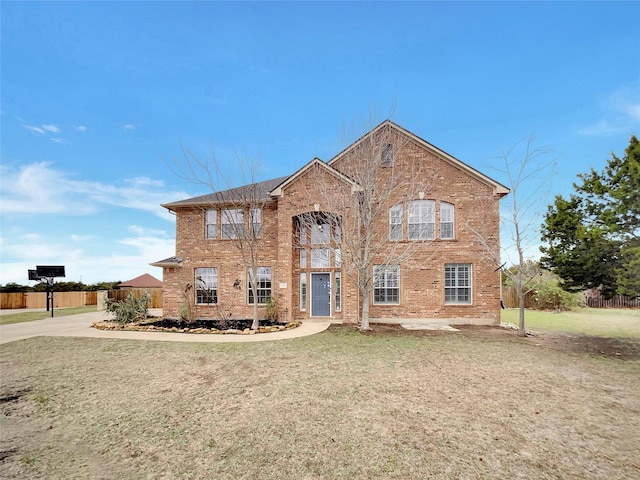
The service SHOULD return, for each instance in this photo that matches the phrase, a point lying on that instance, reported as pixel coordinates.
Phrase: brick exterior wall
(418, 171)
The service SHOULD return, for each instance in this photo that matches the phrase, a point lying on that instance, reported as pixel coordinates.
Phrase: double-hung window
(232, 223)
(457, 283)
(206, 280)
(256, 217)
(263, 284)
(395, 222)
(421, 221)
(446, 221)
(212, 223)
(386, 281)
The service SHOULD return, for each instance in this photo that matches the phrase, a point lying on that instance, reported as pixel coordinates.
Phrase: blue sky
(97, 99)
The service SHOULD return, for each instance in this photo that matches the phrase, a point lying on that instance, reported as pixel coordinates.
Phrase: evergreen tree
(593, 238)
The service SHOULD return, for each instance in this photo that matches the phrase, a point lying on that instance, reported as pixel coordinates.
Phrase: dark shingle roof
(254, 191)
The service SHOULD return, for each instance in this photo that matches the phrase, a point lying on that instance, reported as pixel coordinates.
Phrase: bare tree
(241, 212)
(527, 174)
(378, 173)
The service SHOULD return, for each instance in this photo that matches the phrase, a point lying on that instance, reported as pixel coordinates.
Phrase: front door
(320, 295)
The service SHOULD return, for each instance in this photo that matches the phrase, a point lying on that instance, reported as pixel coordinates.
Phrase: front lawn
(478, 403)
(589, 321)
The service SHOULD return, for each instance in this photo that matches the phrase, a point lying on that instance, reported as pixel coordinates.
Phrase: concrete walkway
(80, 326)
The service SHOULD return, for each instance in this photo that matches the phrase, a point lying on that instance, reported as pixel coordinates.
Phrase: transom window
(386, 281)
(206, 281)
(421, 221)
(457, 283)
(263, 283)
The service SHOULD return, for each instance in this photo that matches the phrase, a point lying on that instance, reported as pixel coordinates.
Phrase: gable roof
(498, 188)
(143, 281)
(278, 190)
(255, 191)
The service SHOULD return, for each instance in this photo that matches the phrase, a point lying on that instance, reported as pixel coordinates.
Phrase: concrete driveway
(80, 326)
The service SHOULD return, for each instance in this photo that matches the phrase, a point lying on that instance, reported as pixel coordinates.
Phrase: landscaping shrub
(131, 309)
(549, 295)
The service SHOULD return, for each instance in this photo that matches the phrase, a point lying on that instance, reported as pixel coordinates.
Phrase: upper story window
(212, 223)
(446, 220)
(395, 222)
(386, 155)
(421, 220)
(320, 233)
(255, 220)
(206, 280)
(232, 223)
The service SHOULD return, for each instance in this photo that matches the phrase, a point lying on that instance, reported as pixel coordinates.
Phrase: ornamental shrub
(549, 295)
(131, 309)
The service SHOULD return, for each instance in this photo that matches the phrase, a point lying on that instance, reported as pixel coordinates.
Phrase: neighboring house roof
(316, 161)
(255, 191)
(143, 281)
(168, 262)
(498, 188)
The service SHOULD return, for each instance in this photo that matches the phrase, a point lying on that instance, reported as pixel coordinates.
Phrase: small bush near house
(549, 295)
(131, 309)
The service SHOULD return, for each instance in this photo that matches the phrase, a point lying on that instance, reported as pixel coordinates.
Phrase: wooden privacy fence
(156, 295)
(72, 299)
(616, 302)
(39, 299)
(510, 297)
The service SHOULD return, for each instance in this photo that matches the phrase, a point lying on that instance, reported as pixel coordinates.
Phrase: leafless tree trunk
(241, 207)
(379, 173)
(527, 175)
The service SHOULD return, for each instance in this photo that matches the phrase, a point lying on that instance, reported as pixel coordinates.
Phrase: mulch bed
(199, 326)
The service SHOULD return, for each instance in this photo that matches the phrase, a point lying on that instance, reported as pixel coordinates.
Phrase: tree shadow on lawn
(619, 348)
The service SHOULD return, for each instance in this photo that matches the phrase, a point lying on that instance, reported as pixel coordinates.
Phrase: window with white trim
(206, 281)
(263, 283)
(386, 155)
(320, 258)
(395, 222)
(303, 258)
(303, 291)
(446, 220)
(386, 281)
(338, 291)
(320, 233)
(232, 223)
(457, 283)
(212, 223)
(421, 220)
(255, 221)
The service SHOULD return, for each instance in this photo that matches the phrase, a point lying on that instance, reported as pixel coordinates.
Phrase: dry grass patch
(481, 403)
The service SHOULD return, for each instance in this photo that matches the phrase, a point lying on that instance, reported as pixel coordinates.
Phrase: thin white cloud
(39, 188)
(129, 127)
(34, 129)
(81, 128)
(621, 114)
(51, 128)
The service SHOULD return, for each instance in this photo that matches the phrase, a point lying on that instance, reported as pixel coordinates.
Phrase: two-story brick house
(429, 247)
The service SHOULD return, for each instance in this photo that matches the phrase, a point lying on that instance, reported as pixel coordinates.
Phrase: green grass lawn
(600, 322)
(41, 315)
